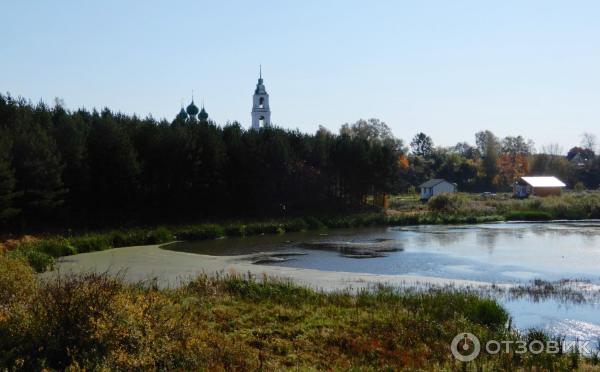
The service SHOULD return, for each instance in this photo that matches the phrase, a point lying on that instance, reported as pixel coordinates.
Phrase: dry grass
(95, 321)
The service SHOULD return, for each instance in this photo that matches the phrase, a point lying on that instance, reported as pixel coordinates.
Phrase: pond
(563, 255)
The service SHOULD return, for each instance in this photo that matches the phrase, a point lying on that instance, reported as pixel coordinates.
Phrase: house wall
(546, 191)
(426, 193)
(443, 187)
(521, 191)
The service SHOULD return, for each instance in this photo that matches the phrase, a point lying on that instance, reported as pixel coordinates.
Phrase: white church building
(261, 113)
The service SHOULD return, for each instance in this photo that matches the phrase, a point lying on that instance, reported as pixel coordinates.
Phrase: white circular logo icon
(465, 347)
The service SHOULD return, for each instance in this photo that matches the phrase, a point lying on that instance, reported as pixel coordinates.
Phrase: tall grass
(98, 322)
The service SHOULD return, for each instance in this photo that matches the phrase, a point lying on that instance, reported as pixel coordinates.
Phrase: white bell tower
(261, 113)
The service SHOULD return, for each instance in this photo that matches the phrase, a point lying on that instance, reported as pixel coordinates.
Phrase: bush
(91, 243)
(200, 232)
(55, 247)
(39, 261)
(528, 215)
(17, 279)
(67, 312)
(159, 235)
(297, 224)
(238, 230)
(124, 238)
(488, 313)
(579, 187)
(264, 228)
(449, 203)
(447, 304)
(534, 204)
(403, 219)
(314, 223)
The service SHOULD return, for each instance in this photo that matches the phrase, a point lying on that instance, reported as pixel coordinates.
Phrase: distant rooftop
(433, 182)
(543, 181)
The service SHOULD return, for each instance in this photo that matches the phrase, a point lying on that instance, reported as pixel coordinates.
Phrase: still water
(514, 253)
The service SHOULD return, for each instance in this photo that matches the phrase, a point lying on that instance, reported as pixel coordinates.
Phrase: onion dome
(192, 109)
(182, 115)
(203, 115)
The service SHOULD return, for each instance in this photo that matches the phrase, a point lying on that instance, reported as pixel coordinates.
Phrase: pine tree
(8, 182)
(38, 167)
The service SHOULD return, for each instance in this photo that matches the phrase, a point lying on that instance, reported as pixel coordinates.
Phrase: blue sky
(447, 68)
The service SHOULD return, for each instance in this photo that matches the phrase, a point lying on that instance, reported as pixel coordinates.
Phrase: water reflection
(500, 252)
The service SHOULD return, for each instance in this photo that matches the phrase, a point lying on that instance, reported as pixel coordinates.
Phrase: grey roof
(433, 182)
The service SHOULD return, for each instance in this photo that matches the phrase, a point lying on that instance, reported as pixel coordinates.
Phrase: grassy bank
(569, 205)
(42, 253)
(405, 210)
(96, 321)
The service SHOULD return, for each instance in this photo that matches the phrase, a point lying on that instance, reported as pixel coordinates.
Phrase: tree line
(88, 168)
(493, 163)
(82, 168)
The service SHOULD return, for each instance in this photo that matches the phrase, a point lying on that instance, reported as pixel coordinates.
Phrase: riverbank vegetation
(568, 206)
(406, 210)
(79, 170)
(96, 321)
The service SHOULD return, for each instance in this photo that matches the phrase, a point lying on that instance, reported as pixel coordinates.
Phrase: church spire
(261, 113)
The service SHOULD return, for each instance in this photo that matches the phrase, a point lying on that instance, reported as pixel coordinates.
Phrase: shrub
(235, 230)
(264, 228)
(39, 261)
(314, 223)
(17, 279)
(533, 204)
(447, 304)
(297, 224)
(159, 235)
(445, 202)
(488, 313)
(594, 211)
(91, 243)
(124, 238)
(403, 219)
(55, 247)
(528, 215)
(66, 313)
(200, 232)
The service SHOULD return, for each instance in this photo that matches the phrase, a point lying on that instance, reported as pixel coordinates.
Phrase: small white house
(436, 186)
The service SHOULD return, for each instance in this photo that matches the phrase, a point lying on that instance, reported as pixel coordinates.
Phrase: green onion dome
(192, 109)
(203, 114)
(182, 115)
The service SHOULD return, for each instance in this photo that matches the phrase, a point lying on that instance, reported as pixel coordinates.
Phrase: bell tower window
(261, 102)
